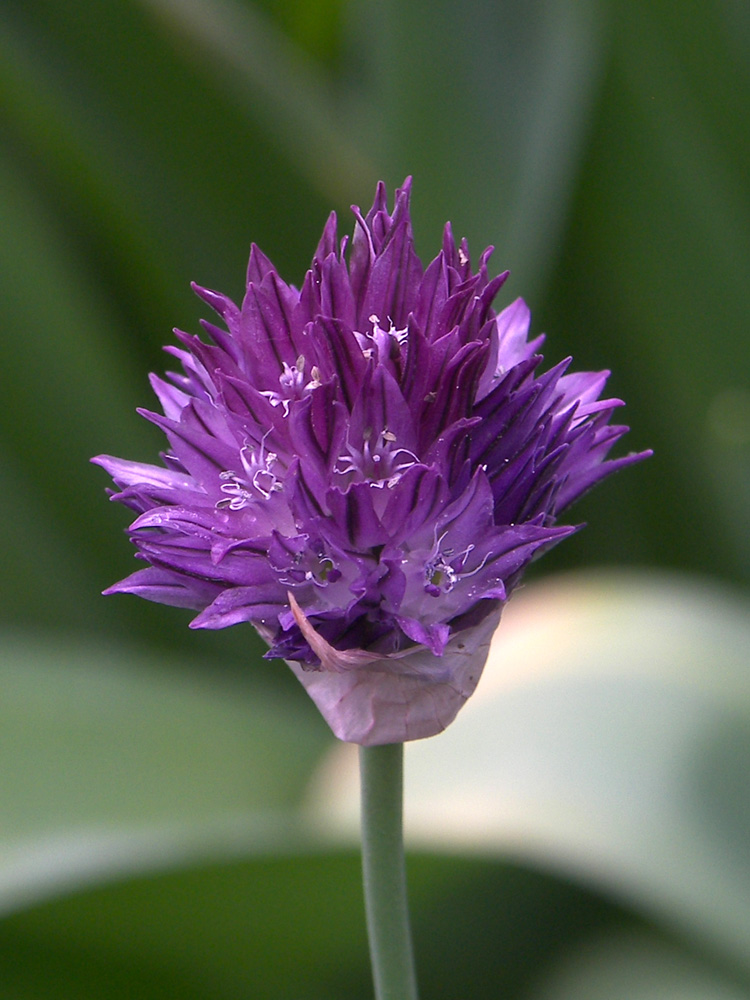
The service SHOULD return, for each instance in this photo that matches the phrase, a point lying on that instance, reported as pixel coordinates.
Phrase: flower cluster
(361, 469)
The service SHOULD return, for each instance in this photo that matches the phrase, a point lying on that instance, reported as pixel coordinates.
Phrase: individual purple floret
(362, 469)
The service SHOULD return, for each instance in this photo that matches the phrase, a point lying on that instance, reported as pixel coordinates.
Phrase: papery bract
(362, 469)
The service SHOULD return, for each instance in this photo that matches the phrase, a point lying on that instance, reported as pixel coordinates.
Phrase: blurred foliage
(602, 147)
(582, 828)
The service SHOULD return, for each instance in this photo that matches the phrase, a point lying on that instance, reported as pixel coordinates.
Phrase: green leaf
(153, 818)
(633, 965)
(291, 927)
(67, 383)
(115, 762)
(276, 84)
(609, 741)
(652, 282)
(488, 107)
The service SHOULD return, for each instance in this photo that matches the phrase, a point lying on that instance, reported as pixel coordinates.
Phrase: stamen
(311, 565)
(257, 476)
(386, 344)
(292, 385)
(444, 569)
(378, 462)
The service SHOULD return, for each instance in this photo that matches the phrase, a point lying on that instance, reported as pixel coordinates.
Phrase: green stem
(381, 772)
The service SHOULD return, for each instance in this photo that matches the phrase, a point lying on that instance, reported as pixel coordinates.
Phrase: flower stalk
(384, 872)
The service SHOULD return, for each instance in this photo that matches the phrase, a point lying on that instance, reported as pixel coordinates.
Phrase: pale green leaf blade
(633, 965)
(114, 762)
(609, 740)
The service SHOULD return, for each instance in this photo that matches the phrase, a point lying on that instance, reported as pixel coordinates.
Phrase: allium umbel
(362, 469)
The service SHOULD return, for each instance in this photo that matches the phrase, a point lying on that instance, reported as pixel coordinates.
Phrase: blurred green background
(602, 147)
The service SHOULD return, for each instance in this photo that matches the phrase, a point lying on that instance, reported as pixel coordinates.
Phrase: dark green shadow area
(293, 927)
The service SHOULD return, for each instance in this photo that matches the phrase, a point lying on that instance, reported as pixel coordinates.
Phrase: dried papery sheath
(362, 469)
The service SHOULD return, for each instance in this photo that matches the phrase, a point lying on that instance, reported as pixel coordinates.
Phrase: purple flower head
(362, 469)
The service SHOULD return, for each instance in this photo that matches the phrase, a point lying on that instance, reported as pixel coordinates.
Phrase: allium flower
(362, 469)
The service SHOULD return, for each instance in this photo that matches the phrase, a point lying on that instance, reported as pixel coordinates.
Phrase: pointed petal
(338, 354)
(257, 604)
(164, 587)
